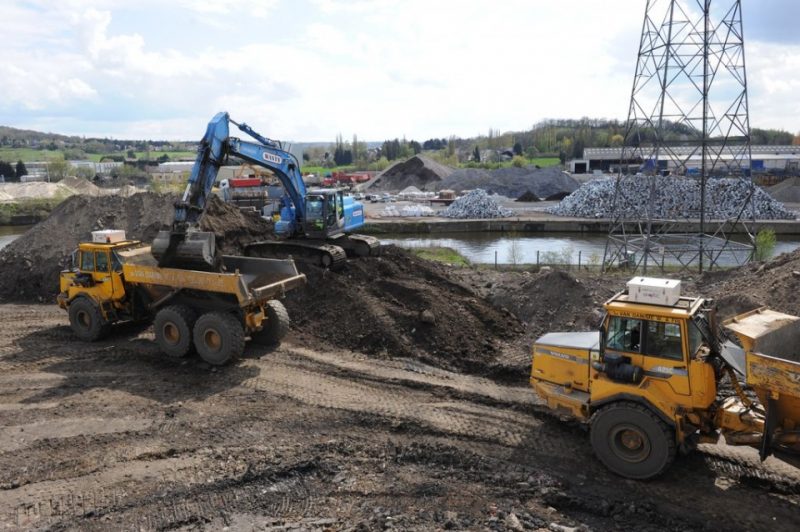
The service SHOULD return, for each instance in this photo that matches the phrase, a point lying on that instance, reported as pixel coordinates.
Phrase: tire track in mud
(158, 494)
(570, 452)
(179, 472)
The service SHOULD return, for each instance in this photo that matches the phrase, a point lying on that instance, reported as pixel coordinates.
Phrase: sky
(307, 70)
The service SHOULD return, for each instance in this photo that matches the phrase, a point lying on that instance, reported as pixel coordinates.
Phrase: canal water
(485, 248)
(9, 233)
(550, 248)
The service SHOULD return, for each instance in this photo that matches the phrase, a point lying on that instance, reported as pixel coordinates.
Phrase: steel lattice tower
(688, 116)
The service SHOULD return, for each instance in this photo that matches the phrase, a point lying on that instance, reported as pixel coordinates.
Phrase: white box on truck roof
(108, 236)
(654, 291)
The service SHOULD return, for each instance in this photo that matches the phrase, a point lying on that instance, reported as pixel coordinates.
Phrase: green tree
(21, 170)
(131, 154)
(517, 148)
(85, 172)
(58, 169)
(7, 172)
(476, 154)
(765, 244)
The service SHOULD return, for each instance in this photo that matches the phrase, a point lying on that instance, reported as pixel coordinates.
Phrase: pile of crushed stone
(512, 182)
(398, 305)
(419, 171)
(475, 205)
(30, 265)
(675, 197)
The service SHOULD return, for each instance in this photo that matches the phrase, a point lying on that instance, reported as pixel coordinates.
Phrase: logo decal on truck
(272, 158)
(358, 213)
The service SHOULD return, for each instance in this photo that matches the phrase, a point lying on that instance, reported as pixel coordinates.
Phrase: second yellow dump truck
(660, 375)
(114, 280)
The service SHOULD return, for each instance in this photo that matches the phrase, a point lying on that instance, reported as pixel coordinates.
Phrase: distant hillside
(28, 145)
(8, 134)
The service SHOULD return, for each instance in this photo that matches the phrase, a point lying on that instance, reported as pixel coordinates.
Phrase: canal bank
(546, 224)
(535, 248)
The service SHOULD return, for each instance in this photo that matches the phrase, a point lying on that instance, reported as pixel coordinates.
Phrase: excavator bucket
(190, 250)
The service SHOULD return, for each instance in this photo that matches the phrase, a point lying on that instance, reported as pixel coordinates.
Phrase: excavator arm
(185, 247)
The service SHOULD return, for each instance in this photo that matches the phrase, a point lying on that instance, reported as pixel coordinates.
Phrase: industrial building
(766, 159)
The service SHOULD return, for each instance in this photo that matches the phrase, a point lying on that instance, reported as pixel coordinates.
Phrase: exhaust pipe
(186, 250)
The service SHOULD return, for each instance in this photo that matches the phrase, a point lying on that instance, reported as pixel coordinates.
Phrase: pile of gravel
(419, 171)
(528, 196)
(676, 197)
(512, 182)
(787, 190)
(476, 205)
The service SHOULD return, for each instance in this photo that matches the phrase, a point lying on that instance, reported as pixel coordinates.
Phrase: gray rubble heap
(476, 205)
(675, 198)
(511, 182)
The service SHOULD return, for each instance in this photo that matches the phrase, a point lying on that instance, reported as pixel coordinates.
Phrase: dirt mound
(418, 171)
(774, 284)
(528, 196)
(30, 265)
(512, 182)
(398, 305)
(787, 191)
(82, 186)
(550, 301)
(232, 227)
(36, 190)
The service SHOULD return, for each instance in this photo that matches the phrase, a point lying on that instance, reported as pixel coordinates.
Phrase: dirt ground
(398, 401)
(114, 436)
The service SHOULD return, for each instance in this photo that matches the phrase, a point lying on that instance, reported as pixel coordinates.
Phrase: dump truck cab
(647, 380)
(644, 352)
(96, 273)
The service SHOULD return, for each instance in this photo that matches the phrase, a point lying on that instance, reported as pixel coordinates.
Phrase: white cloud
(380, 68)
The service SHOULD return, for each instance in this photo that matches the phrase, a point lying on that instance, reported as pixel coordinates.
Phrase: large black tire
(218, 337)
(632, 441)
(86, 320)
(275, 326)
(173, 329)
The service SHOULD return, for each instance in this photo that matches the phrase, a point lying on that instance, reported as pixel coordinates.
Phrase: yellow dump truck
(113, 279)
(661, 375)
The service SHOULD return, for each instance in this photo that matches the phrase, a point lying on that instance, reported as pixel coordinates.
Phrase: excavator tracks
(330, 254)
(313, 252)
(360, 245)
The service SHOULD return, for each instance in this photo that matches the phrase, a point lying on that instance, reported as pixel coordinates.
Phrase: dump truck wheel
(275, 326)
(631, 440)
(173, 329)
(86, 320)
(218, 337)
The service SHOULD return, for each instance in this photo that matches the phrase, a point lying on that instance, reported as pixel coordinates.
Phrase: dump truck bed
(771, 341)
(251, 280)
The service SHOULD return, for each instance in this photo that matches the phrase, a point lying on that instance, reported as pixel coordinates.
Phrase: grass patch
(545, 162)
(27, 155)
(441, 254)
(321, 170)
(40, 208)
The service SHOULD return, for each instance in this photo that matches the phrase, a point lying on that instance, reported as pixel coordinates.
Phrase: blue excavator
(315, 225)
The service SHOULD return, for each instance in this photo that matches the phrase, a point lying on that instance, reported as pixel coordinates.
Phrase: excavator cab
(324, 213)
